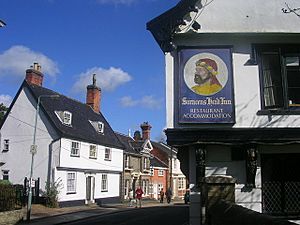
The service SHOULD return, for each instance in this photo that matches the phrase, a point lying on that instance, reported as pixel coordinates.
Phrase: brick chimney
(146, 127)
(34, 75)
(93, 95)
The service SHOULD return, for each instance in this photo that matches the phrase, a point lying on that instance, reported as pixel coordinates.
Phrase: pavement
(41, 215)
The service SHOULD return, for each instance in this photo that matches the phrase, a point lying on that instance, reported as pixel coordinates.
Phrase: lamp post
(33, 151)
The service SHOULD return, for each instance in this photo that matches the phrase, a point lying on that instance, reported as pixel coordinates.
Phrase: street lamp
(33, 151)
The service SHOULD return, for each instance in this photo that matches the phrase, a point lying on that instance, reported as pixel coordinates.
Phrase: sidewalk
(41, 215)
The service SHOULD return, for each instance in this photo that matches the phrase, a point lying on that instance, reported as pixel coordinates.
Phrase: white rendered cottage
(75, 144)
(233, 99)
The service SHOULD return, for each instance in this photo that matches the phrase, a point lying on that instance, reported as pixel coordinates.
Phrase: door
(281, 184)
(90, 187)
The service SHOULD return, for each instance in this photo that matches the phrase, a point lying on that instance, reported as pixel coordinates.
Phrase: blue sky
(72, 39)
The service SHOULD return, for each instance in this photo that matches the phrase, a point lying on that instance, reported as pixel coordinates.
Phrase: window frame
(5, 174)
(160, 172)
(66, 120)
(283, 51)
(181, 185)
(95, 152)
(104, 182)
(71, 183)
(126, 161)
(5, 145)
(107, 157)
(77, 149)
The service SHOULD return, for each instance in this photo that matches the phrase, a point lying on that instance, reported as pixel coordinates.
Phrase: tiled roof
(155, 162)
(81, 128)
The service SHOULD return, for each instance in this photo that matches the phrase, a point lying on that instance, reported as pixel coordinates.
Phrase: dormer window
(65, 117)
(98, 126)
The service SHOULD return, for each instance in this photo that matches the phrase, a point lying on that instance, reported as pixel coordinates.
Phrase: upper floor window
(126, 163)
(98, 126)
(75, 148)
(145, 163)
(65, 117)
(6, 145)
(160, 172)
(280, 76)
(107, 155)
(93, 151)
(151, 172)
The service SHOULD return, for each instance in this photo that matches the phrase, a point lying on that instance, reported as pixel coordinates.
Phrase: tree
(3, 110)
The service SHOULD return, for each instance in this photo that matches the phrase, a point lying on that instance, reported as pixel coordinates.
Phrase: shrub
(51, 194)
(7, 196)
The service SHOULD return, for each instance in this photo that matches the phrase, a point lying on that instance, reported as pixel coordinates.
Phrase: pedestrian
(139, 192)
(130, 197)
(169, 195)
(161, 194)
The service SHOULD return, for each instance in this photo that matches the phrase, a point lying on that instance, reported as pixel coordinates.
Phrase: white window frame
(126, 161)
(181, 183)
(5, 145)
(93, 152)
(100, 127)
(104, 183)
(107, 154)
(5, 173)
(151, 172)
(126, 187)
(160, 173)
(67, 118)
(75, 150)
(71, 182)
(145, 163)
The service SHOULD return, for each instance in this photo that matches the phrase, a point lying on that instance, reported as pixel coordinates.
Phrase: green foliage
(7, 196)
(3, 110)
(51, 194)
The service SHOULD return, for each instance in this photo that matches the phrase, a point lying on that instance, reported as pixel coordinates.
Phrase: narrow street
(175, 215)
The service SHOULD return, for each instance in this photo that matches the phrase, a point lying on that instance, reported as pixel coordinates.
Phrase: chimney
(93, 95)
(146, 127)
(34, 75)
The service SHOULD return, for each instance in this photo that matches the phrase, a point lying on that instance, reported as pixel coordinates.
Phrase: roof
(81, 128)
(126, 141)
(155, 162)
(164, 26)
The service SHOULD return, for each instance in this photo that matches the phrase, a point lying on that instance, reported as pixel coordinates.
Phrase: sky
(73, 39)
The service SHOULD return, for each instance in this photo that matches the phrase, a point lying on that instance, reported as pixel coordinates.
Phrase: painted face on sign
(201, 75)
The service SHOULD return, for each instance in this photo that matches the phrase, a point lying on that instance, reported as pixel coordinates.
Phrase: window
(151, 188)
(145, 186)
(151, 172)
(107, 154)
(67, 118)
(160, 172)
(280, 76)
(93, 152)
(6, 145)
(145, 163)
(181, 183)
(126, 187)
(160, 187)
(126, 161)
(71, 183)
(100, 127)
(5, 175)
(104, 184)
(75, 148)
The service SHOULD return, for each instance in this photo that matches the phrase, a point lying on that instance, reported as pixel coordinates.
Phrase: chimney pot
(146, 127)
(34, 75)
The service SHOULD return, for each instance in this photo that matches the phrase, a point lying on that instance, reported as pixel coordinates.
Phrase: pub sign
(206, 86)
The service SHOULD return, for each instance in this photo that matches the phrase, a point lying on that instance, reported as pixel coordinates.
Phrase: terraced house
(74, 145)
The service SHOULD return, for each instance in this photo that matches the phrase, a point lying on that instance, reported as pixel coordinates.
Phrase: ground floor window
(181, 183)
(5, 175)
(126, 187)
(104, 183)
(71, 182)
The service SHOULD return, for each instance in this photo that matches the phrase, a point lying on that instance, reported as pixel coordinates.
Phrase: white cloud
(117, 2)
(18, 58)
(107, 79)
(5, 99)
(147, 101)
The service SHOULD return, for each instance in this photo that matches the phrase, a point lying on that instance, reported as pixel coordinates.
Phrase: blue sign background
(211, 108)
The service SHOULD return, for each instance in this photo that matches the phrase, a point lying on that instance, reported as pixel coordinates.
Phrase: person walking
(161, 194)
(169, 195)
(139, 193)
(130, 197)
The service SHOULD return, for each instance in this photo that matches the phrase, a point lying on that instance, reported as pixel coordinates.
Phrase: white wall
(246, 16)
(18, 128)
(84, 162)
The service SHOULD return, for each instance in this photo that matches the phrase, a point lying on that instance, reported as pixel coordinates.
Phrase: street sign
(33, 149)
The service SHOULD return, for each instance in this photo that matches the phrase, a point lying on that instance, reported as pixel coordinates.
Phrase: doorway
(90, 189)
